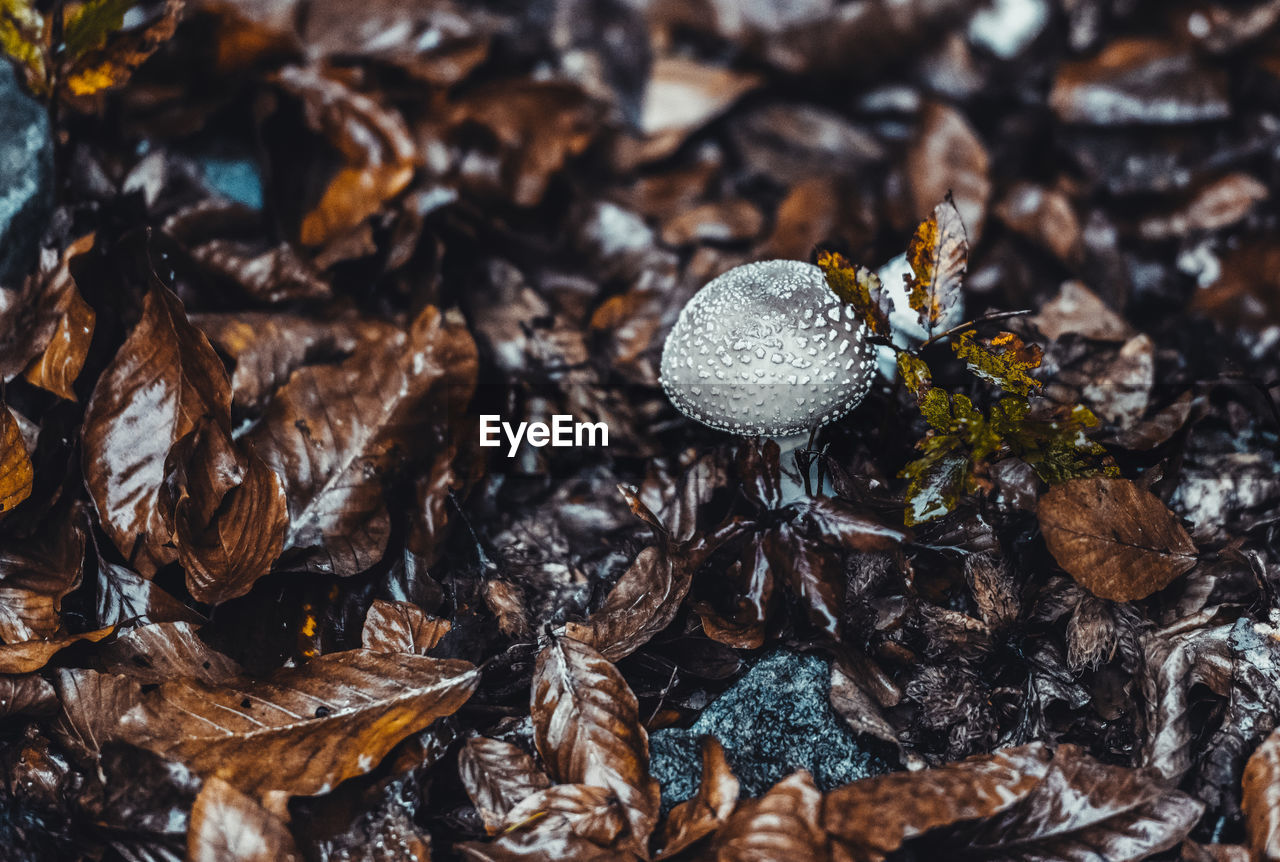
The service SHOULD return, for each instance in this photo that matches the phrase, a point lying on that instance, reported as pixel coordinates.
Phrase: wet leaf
(915, 374)
(92, 705)
(162, 382)
(1085, 809)
(227, 824)
(30, 655)
(938, 255)
(706, 811)
(1003, 360)
(334, 431)
(16, 472)
(225, 510)
(378, 153)
(1261, 799)
(860, 287)
(156, 653)
(498, 776)
(873, 817)
(124, 596)
(57, 368)
(1077, 309)
(782, 824)
(587, 728)
(1117, 540)
(401, 627)
(36, 575)
(25, 693)
(302, 730)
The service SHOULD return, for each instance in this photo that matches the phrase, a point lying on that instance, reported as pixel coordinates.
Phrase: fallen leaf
(708, 809)
(302, 730)
(782, 824)
(1139, 81)
(24, 694)
(159, 652)
(227, 824)
(225, 510)
(1076, 309)
(124, 596)
(1045, 216)
(16, 472)
(401, 627)
(57, 368)
(1117, 540)
(31, 655)
(498, 776)
(1219, 204)
(92, 705)
(948, 159)
(587, 728)
(103, 63)
(1261, 799)
(873, 817)
(35, 575)
(378, 152)
(1085, 809)
(162, 381)
(334, 431)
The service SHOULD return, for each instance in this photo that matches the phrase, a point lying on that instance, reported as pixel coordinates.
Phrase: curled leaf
(1004, 360)
(708, 809)
(16, 472)
(401, 627)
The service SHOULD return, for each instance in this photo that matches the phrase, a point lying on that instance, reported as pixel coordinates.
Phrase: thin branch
(970, 324)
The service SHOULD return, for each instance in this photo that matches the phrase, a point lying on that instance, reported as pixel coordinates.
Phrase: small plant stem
(970, 324)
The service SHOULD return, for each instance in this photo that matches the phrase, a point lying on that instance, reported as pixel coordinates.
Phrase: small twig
(970, 324)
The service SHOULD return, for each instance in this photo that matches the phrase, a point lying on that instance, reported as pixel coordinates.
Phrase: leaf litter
(263, 595)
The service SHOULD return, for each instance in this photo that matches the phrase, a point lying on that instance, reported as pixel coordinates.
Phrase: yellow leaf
(1005, 360)
(857, 286)
(938, 254)
(22, 38)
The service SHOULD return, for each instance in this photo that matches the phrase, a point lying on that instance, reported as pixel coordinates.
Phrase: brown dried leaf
(334, 431)
(588, 812)
(1077, 309)
(1117, 540)
(876, 815)
(642, 603)
(24, 694)
(782, 824)
(58, 367)
(124, 596)
(35, 575)
(948, 159)
(156, 653)
(16, 472)
(939, 255)
(708, 809)
(374, 142)
(587, 728)
(267, 346)
(226, 824)
(225, 510)
(401, 627)
(1261, 800)
(303, 730)
(498, 776)
(1085, 809)
(92, 706)
(160, 384)
(31, 655)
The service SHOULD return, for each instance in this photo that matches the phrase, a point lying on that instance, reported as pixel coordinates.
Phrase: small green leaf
(860, 287)
(914, 372)
(936, 481)
(1004, 360)
(85, 28)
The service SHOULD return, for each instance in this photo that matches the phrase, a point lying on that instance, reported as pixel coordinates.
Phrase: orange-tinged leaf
(860, 287)
(1261, 800)
(401, 627)
(59, 366)
(28, 656)
(1004, 360)
(708, 809)
(106, 58)
(227, 824)
(785, 823)
(498, 776)
(938, 255)
(16, 472)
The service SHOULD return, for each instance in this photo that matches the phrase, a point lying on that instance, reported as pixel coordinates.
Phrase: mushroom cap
(767, 349)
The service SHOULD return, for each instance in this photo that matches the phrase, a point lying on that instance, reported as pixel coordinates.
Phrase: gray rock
(26, 176)
(773, 721)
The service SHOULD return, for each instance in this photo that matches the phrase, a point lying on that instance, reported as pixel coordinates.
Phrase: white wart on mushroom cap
(767, 349)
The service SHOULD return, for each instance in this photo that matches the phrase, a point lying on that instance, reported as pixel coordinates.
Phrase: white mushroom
(767, 349)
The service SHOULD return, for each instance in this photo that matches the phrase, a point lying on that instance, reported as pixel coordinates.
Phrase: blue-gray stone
(26, 176)
(773, 721)
(235, 179)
